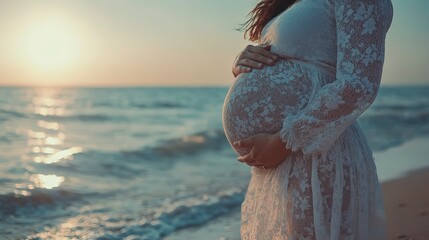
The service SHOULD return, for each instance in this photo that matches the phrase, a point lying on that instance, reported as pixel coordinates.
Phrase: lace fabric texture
(327, 189)
(259, 101)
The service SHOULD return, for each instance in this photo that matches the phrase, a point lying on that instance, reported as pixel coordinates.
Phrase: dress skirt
(333, 197)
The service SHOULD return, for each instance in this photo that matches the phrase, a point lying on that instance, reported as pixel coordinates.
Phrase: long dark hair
(263, 12)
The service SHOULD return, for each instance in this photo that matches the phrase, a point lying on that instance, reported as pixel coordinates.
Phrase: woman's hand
(253, 57)
(267, 150)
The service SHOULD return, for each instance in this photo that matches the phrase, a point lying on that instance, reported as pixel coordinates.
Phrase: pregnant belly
(257, 102)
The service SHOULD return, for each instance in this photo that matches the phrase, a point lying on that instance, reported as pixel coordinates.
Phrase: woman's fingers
(245, 142)
(253, 57)
(263, 50)
(249, 158)
(247, 62)
(260, 58)
(254, 164)
(265, 46)
(244, 68)
(245, 159)
(241, 69)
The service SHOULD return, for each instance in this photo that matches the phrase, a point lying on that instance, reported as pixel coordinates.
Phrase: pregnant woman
(291, 115)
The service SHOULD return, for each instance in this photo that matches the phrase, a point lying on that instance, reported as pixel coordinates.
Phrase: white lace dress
(333, 53)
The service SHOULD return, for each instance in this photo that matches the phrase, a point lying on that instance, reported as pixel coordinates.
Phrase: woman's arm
(361, 31)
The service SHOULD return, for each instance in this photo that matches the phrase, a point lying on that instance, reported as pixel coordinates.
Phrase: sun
(50, 45)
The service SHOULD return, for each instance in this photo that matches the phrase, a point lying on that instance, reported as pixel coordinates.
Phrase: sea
(140, 163)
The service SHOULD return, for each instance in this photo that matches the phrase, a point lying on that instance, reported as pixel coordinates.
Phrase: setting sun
(49, 45)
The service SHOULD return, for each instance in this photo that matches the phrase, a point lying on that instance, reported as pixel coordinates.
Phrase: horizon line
(181, 86)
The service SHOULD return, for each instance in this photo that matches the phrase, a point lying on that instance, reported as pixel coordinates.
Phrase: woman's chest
(306, 29)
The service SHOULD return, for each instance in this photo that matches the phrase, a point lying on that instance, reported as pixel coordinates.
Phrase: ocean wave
(5, 180)
(180, 214)
(10, 203)
(186, 145)
(157, 105)
(90, 117)
(4, 139)
(401, 107)
(6, 114)
(119, 104)
(133, 163)
(97, 165)
(12, 113)
(9, 136)
(392, 119)
(128, 163)
(388, 130)
(77, 117)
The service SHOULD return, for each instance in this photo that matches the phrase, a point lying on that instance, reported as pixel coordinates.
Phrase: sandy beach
(404, 173)
(407, 206)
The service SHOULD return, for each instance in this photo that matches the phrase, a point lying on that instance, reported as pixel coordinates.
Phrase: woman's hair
(263, 12)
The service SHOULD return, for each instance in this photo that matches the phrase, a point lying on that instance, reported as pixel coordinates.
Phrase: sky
(109, 43)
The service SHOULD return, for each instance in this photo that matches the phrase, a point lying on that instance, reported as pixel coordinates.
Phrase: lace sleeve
(361, 30)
